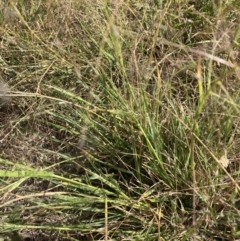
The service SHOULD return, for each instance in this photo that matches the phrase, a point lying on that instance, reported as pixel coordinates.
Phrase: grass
(123, 122)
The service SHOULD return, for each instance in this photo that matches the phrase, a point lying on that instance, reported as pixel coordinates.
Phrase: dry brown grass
(109, 96)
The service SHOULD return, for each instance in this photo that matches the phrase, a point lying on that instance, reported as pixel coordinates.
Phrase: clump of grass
(123, 123)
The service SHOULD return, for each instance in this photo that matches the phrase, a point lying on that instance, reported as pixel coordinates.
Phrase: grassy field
(120, 120)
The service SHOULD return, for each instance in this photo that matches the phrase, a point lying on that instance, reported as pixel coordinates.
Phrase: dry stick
(4, 97)
(41, 78)
(193, 163)
(106, 219)
(42, 194)
(200, 53)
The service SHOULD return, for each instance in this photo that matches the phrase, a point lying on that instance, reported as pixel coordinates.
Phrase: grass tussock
(119, 120)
